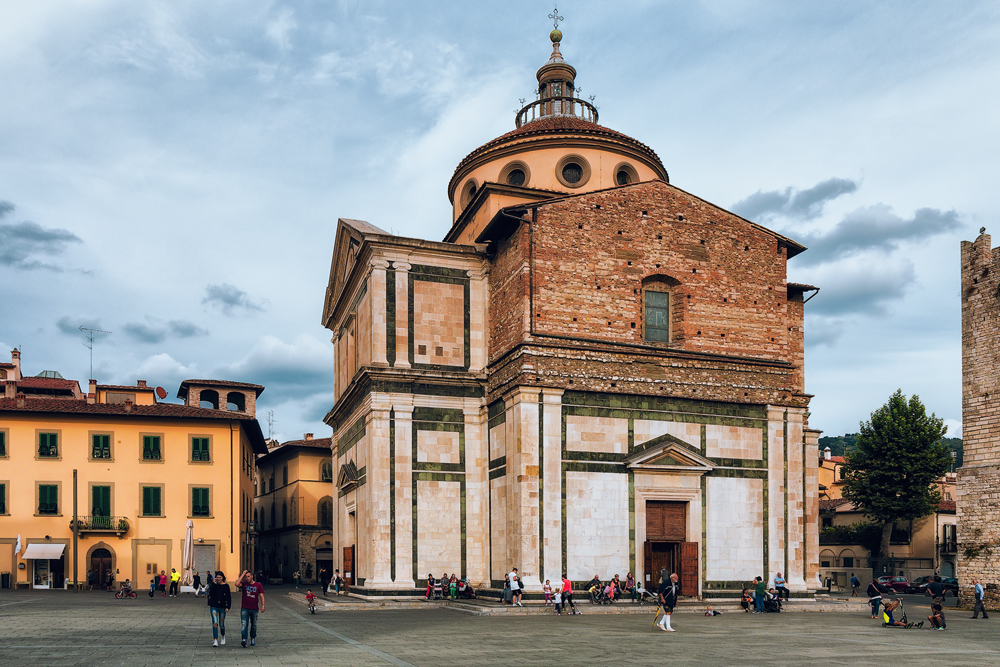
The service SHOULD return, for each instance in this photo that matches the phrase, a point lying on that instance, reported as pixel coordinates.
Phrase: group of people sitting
(611, 590)
(451, 587)
(759, 599)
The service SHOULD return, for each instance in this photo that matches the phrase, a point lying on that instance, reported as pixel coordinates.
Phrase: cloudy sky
(173, 171)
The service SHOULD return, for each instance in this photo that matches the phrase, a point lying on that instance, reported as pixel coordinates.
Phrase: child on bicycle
(310, 600)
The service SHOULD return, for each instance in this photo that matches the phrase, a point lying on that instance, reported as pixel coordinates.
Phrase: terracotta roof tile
(829, 505)
(130, 387)
(946, 506)
(316, 443)
(47, 383)
(77, 406)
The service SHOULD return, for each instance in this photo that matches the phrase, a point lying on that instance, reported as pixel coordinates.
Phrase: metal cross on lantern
(556, 18)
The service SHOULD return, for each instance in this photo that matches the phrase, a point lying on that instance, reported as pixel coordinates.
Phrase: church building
(594, 372)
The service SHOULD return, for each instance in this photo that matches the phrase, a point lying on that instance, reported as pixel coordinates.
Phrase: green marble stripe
(499, 472)
(593, 466)
(664, 404)
(679, 417)
(449, 415)
(351, 436)
(426, 272)
(427, 388)
(498, 462)
(390, 316)
(743, 473)
(496, 409)
(606, 457)
(438, 467)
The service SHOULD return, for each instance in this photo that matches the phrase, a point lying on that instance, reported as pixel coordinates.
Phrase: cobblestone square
(91, 628)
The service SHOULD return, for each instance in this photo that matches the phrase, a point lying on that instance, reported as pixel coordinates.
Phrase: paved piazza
(60, 628)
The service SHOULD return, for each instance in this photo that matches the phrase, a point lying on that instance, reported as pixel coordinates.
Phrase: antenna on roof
(270, 424)
(90, 344)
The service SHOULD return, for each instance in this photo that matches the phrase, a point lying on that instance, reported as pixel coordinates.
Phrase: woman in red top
(163, 583)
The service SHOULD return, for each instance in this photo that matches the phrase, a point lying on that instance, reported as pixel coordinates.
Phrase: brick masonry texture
(978, 487)
(572, 278)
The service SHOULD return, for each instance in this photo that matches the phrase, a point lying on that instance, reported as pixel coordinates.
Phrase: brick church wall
(978, 506)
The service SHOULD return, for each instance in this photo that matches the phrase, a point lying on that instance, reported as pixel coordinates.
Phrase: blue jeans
(218, 621)
(759, 600)
(248, 617)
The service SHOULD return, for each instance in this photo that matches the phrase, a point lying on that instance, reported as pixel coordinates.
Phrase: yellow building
(831, 479)
(293, 509)
(133, 469)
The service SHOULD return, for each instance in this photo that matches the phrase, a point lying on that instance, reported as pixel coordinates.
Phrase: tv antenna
(90, 344)
(270, 424)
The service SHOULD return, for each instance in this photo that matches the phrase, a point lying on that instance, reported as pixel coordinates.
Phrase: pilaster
(522, 476)
(402, 314)
(378, 537)
(478, 299)
(775, 502)
(811, 438)
(551, 501)
(378, 312)
(476, 492)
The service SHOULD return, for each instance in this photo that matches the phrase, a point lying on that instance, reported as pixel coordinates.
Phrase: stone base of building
(978, 533)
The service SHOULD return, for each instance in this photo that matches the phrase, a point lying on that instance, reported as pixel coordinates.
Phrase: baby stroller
(772, 604)
(643, 595)
(465, 591)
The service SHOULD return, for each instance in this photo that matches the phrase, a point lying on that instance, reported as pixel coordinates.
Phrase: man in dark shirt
(936, 590)
(760, 594)
(252, 603)
(875, 596)
(669, 589)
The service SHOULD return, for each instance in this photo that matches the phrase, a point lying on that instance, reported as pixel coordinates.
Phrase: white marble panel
(733, 442)
(644, 430)
(498, 441)
(596, 524)
(596, 434)
(498, 527)
(735, 529)
(439, 527)
(438, 447)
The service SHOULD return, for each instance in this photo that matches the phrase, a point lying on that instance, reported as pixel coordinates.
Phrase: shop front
(48, 565)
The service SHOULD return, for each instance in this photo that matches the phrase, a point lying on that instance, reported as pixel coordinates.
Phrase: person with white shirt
(980, 607)
(515, 589)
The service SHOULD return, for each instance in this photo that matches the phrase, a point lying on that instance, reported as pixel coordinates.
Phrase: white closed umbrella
(187, 578)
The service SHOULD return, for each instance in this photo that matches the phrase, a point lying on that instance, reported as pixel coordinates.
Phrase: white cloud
(954, 428)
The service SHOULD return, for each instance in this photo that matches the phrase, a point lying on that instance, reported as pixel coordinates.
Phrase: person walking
(668, 600)
(175, 578)
(251, 604)
(296, 578)
(324, 580)
(196, 584)
(855, 585)
(90, 579)
(163, 584)
(567, 596)
(980, 607)
(515, 589)
(337, 581)
(219, 602)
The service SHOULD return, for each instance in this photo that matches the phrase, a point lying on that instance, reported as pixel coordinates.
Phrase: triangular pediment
(351, 234)
(348, 476)
(668, 453)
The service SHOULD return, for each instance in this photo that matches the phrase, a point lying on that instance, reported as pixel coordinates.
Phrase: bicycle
(126, 593)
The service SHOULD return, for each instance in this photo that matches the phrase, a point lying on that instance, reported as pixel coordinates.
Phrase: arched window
(657, 308)
(827, 558)
(324, 512)
(326, 471)
(236, 401)
(284, 515)
(209, 399)
(847, 558)
(284, 476)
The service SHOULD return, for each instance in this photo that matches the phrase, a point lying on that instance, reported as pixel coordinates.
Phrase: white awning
(43, 552)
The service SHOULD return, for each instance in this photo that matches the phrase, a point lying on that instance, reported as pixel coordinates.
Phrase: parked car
(950, 584)
(897, 584)
(885, 581)
(919, 585)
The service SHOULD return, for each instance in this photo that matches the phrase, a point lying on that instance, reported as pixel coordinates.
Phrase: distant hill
(840, 445)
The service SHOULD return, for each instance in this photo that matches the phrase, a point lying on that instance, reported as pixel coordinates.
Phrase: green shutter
(151, 501)
(3, 443)
(48, 499)
(199, 502)
(101, 447)
(3, 496)
(48, 444)
(101, 501)
(151, 447)
(199, 449)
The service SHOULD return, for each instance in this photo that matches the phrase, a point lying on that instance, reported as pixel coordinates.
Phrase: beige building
(595, 372)
(293, 510)
(132, 468)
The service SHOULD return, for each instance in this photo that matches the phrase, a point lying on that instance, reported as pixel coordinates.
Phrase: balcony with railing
(117, 525)
(949, 547)
(557, 106)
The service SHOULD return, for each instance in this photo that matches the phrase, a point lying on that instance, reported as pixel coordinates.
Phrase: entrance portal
(666, 550)
(100, 565)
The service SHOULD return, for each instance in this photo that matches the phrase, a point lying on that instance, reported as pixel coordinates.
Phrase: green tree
(890, 473)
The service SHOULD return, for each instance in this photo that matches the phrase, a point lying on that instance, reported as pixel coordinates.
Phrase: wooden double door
(666, 550)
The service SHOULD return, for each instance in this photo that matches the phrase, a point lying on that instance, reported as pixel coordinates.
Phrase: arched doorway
(101, 563)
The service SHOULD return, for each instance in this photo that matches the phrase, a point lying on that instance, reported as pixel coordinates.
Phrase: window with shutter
(151, 501)
(151, 447)
(48, 445)
(3, 443)
(100, 446)
(199, 502)
(101, 496)
(199, 449)
(3, 498)
(48, 499)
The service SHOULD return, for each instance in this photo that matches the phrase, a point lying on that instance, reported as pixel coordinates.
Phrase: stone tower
(979, 477)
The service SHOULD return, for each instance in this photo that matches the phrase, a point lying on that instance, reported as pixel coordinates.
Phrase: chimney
(128, 405)
(309, 436)
(827, 454)
(140, 383)
(92, 392)
(20, 400)
(15, 358)
(10, 389)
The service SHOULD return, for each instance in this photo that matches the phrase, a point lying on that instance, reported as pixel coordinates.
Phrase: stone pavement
(64, 628)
